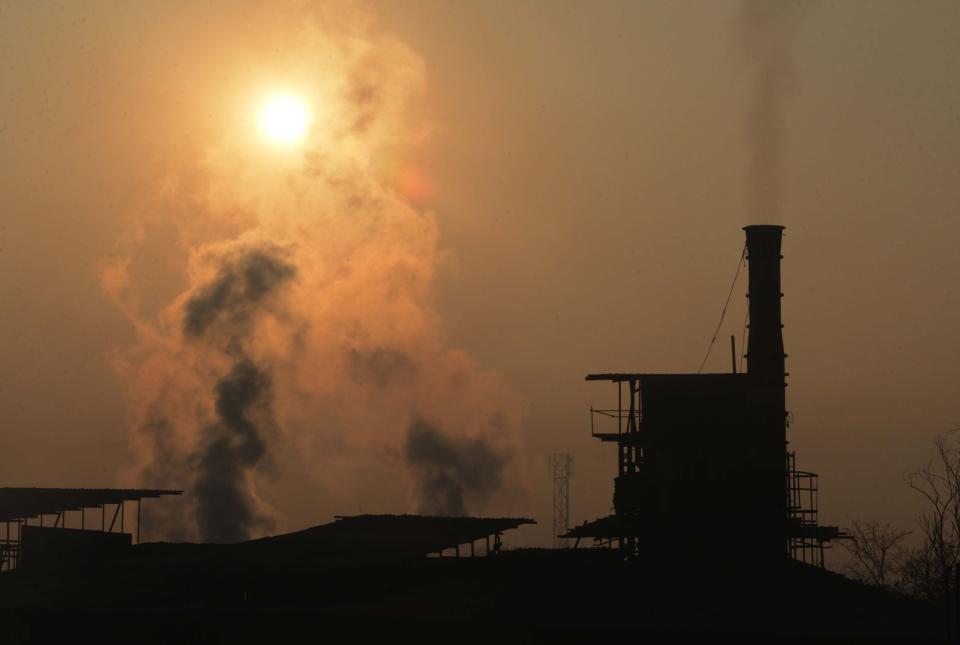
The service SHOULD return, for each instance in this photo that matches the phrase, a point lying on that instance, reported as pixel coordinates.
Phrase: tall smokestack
(765, 346)
(766, 378)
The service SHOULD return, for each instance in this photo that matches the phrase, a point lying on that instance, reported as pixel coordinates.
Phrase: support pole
(114, 520)
(733, 352)
(620, 407)
(138, 521)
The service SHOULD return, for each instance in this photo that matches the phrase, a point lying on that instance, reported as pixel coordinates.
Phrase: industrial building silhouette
(703, 465)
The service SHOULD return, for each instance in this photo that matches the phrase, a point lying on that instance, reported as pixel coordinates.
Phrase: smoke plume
(287, 380)
(226, 510)
(765, 30)
(229, 303)
(450, 469)
(221, 314)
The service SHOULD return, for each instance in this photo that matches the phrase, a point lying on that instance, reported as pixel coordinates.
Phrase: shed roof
(619, 377)
(412, 534)
(21, 503)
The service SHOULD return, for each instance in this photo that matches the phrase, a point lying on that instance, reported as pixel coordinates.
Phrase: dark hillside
(237, 594)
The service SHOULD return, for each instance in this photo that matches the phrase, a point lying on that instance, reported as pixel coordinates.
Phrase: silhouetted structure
(400, 536)
(56, 548)
(703, 466)
(561, 469)
(18, 506)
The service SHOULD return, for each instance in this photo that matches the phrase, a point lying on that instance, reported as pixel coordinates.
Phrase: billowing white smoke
(306, 331)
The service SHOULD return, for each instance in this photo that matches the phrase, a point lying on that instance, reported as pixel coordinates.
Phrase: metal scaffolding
(806, 539)
(561, 469)
(26, 507)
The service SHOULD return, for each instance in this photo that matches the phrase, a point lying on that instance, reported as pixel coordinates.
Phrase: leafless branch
(878, 553)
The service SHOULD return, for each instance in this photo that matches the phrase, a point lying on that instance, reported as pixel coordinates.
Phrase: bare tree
(926, 570)
(922, 574)
(878, 553)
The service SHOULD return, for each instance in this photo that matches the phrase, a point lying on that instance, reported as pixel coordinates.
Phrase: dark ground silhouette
(248, 593)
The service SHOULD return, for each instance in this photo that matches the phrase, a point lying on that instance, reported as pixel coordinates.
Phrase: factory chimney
(766, 369)
(765, 346)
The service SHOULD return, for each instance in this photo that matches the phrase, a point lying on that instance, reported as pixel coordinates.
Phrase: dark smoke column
(766, 369)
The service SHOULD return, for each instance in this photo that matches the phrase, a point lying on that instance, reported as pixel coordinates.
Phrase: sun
(284, 119)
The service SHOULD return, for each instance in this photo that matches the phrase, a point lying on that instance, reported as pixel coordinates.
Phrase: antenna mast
(561, 468)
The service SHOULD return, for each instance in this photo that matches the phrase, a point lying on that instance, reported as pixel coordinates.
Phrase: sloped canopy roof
(20, 503)
(411, 534)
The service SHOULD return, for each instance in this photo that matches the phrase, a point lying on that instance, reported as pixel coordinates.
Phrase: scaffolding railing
(805, 542)
(613, 421)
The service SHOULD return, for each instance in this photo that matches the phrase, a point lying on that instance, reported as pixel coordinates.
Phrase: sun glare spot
(284, 119)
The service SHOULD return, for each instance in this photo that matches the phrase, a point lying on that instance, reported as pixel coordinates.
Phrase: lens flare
(284, 119)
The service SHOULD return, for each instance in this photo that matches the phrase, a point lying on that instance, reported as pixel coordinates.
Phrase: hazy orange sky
(586, 167)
